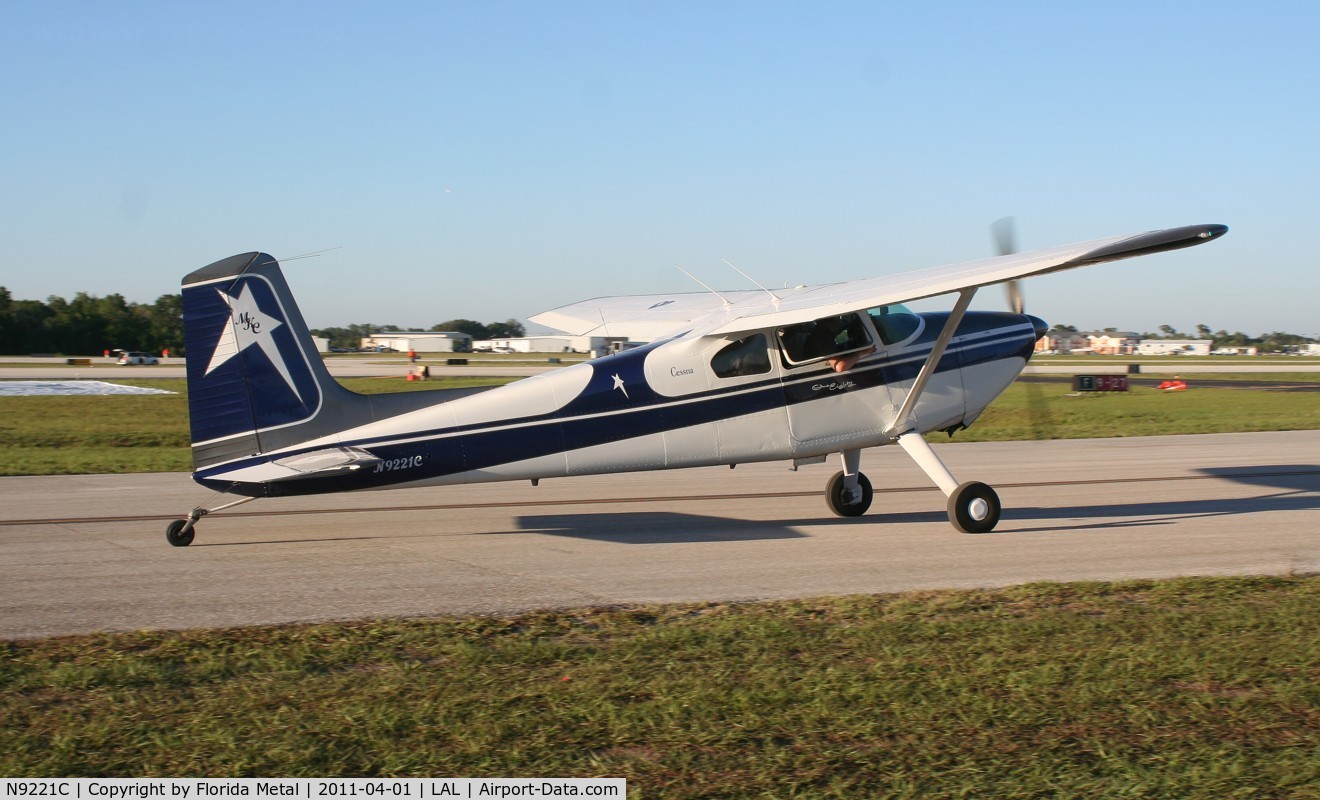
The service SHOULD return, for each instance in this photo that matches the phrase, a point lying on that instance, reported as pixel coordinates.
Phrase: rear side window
(747, 356)
(823, 338)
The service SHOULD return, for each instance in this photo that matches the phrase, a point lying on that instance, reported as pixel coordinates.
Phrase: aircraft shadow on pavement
(666, 527)
(1293, 477)
(1289, 487)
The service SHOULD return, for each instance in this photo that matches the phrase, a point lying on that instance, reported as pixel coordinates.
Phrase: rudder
(255, 379)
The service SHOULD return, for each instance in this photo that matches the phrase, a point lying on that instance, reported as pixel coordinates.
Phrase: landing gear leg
(849, 492)
(973, 507)
(180, 532)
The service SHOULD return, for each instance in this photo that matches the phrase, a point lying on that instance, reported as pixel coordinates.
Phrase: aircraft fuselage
(679, 402)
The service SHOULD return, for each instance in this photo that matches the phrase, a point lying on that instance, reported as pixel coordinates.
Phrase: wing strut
(903, 421)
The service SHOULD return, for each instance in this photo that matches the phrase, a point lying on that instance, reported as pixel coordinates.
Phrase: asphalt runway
(88, 553)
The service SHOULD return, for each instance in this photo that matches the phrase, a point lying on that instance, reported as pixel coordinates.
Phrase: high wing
(750, 310)
(645, 314)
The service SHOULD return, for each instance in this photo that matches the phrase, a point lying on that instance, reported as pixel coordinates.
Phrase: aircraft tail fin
(255, 379)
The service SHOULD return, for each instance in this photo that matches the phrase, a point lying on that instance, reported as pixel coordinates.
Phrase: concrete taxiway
(88, 553)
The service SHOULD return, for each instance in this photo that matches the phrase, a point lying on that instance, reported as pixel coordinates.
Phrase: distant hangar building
(550, 343)
(420, 341)
(1174, 347)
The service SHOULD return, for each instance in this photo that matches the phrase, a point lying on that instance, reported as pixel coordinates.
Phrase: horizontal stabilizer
(320, 463)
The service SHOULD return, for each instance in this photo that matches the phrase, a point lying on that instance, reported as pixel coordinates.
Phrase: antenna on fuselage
(703, 285)
(313, 254)
(754, 281)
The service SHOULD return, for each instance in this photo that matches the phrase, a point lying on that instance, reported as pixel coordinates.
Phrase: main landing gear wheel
(845, 502)
(179, 533)
(974, 508)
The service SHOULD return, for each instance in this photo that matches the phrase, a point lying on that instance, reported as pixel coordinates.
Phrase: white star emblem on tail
(249, 325)
(618, 384)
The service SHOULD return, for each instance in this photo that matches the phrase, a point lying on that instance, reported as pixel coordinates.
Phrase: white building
(1114, 343)
(553, 344)
(421, 341)
(1063, 342)
(1174, 347)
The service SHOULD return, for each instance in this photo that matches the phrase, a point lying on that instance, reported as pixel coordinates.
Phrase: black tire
(177, 536)
(974, 508)
(834, 495)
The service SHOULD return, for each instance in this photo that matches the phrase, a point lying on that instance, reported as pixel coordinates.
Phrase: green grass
(96, 434)
(129, 433)
(1253, 377)
(97, 361)
(1052, 411)
(149, 433)
(1195, 688)
(1118, 363)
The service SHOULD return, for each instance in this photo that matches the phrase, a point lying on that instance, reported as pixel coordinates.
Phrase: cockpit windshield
(895, 323)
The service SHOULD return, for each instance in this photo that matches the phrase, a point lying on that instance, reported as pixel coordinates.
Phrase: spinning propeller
(1004, 232)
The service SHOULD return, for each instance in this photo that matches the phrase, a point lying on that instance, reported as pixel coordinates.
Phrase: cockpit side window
(747, 356)
(823, 338)
(895, 323)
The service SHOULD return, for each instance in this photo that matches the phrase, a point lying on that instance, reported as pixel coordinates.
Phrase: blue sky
(491, 160)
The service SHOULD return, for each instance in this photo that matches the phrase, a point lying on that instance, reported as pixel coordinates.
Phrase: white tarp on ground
(34, 388)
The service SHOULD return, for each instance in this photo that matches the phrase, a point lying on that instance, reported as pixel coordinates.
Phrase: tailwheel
(974, 508)
(180, 532)
(845, 500)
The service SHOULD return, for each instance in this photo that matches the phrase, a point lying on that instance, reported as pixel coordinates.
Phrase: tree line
(88, 324)
(1275, 341)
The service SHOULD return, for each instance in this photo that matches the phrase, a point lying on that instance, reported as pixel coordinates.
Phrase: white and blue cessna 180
(794, 374)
